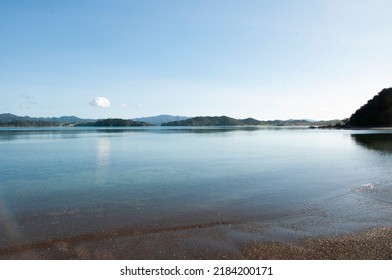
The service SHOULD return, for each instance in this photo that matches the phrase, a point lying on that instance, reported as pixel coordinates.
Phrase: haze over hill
(158, 120)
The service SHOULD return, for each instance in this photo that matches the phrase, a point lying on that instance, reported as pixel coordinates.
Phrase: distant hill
(119, 122)
(293, 122)
(10, 120)
(213, 121)
(227, 121)
(9, 117)
(376, 112)
(69, 119)
(158, 120)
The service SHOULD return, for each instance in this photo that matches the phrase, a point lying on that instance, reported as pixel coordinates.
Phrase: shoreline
(371, 244)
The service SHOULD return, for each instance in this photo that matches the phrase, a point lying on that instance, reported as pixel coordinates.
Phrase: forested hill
(11, 120)
(377, 112)
(227, 121)
(119, 122)
(213, 121)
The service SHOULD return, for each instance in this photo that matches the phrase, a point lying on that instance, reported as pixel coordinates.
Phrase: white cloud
(24, 106)
(101, 102)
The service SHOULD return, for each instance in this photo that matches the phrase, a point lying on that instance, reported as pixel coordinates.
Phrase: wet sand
(206, 243)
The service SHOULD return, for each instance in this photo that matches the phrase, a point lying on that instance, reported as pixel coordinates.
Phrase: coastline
(370, 244)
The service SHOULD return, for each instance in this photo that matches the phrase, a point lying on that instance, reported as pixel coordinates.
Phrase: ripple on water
(380, 191)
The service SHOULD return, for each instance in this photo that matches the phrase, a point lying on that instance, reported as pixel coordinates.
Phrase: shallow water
(241, 183)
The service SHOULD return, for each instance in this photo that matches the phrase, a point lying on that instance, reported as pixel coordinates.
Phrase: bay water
(202, 188)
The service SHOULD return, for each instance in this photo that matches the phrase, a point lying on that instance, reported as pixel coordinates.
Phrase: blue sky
(263, 59)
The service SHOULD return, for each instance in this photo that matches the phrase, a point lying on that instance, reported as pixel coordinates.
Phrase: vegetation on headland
(377, 112)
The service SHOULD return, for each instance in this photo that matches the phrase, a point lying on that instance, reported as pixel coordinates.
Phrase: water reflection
(10, 134)
(381, 142)
(103, 147)
(10, 231)
(179, 129)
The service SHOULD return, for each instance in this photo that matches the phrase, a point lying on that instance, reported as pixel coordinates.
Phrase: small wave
(368, 187)
(375, 188)
(378, 191)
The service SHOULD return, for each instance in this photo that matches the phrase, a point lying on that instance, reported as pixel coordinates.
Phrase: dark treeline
(119, 122)
(99, 123)
(207, 121)
(28, 123)
(10, 120)
(376, 112)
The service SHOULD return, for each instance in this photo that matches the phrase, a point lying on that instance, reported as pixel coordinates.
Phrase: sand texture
(372, 244)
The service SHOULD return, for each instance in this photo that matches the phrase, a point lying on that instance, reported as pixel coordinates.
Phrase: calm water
(289, 182)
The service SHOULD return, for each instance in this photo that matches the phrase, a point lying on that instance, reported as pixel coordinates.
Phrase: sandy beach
(372, 244)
